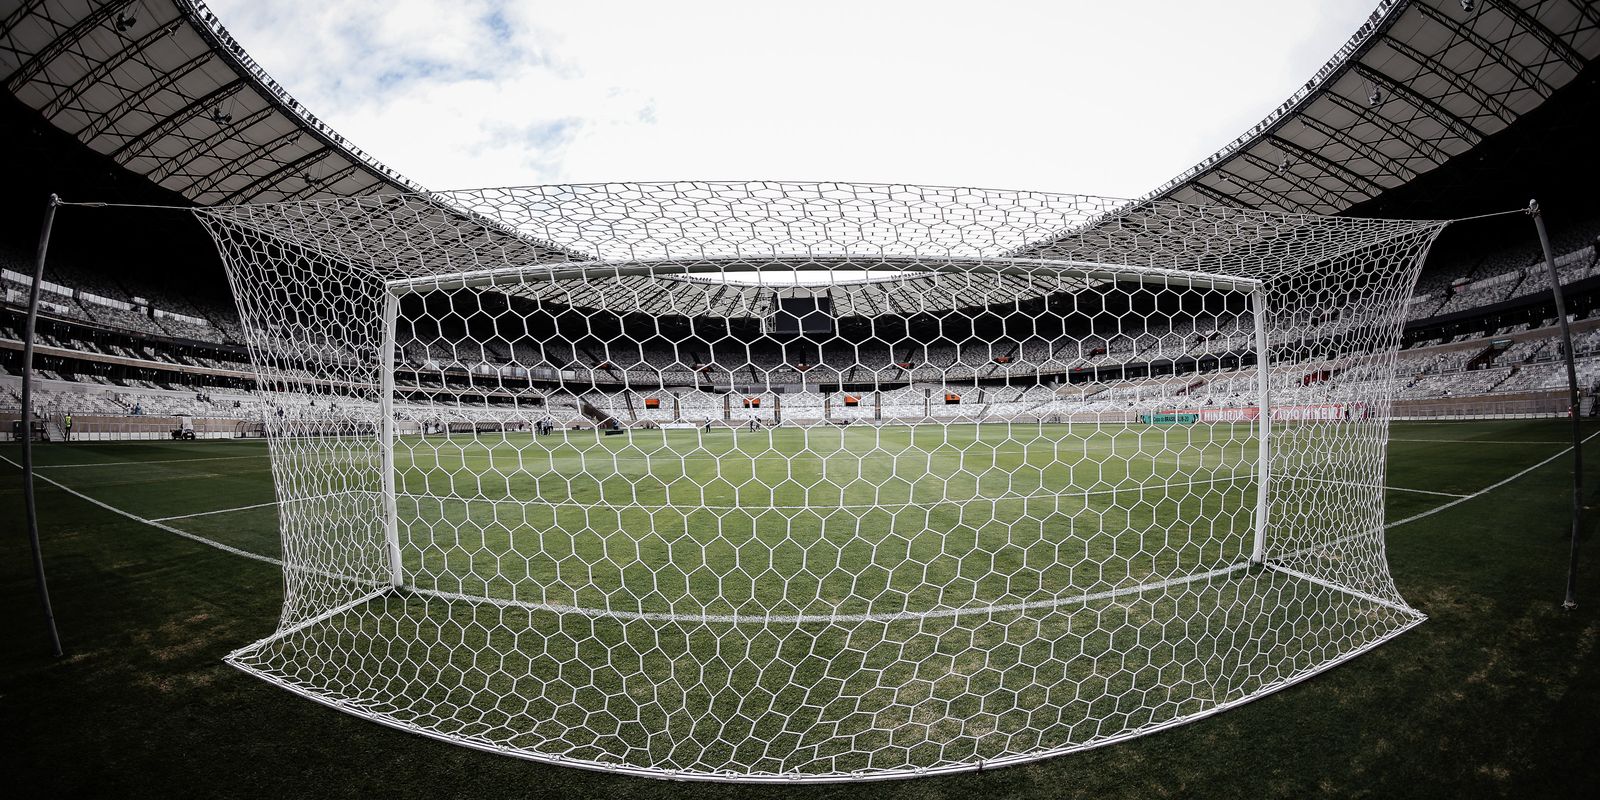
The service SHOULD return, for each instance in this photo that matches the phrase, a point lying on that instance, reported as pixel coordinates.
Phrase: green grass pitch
(1493, 696)
(822, 521)
(817, 601)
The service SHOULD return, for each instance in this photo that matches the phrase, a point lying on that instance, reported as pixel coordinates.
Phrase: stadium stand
(140, 311)
(108, 349)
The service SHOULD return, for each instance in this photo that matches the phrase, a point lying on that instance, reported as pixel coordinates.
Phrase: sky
(1109, 97)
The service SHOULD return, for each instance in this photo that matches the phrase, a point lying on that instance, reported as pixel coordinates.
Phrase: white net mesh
(817, 481)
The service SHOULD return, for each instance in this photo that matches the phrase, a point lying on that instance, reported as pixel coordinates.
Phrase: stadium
(1259, 483)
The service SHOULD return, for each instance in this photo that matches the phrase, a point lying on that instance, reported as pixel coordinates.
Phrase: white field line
(1485, 490)
(417, 460)
(309, 621)
(1371, 598)
(142, 463)
(1424, 491)
(152, 523)
(259, 505)
(824, 507)
(1367, 485)
(423, 451)
(218, 511)
(789, 619)
(1479, 441)
(158, 524)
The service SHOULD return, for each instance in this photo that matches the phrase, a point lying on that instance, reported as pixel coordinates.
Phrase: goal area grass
(823, 600)
(822, 521)
(1492, 696)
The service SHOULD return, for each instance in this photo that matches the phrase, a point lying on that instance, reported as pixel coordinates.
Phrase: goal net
(788, 481)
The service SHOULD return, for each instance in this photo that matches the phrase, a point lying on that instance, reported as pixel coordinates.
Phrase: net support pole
(31, 507)
(391, 516)
(1571, 600)
(1258, 307)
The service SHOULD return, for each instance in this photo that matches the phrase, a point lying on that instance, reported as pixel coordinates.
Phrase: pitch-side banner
(1327, 411)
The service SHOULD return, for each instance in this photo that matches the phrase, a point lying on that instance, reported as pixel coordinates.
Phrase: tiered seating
(57, 395)
(137, 322)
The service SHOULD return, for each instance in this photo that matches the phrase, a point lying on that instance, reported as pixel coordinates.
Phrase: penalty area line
(218, 511)
(267, 504)
(153, 523)
(1425, 491)
(1139, 489)
(836, 616)
(1478, 441)
(1487, 489)
(1384, 487)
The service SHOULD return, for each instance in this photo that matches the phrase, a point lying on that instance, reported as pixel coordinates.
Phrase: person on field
(67, 426)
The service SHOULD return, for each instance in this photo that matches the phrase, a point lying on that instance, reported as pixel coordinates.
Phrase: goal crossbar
(779, 264)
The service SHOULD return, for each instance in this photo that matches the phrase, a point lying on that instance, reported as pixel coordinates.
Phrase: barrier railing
(1522, 405)
(110, 428)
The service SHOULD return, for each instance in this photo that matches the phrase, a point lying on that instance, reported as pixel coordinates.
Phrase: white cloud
(1095, 97)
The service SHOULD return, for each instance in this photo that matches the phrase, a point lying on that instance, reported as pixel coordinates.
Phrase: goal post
(386, 435)
(1055, 471)
(1258, 305)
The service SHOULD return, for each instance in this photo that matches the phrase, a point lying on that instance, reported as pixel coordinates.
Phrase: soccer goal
(794, 482)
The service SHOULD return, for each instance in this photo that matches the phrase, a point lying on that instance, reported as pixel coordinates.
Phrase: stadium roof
(628, 247)
(899, 294)
(161, 88)
(1420, 83)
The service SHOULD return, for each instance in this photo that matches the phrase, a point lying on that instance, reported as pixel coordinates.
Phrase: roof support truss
(103, 70)
(312, 188)
(1218, 197)
(231, 167)
(1494, 51)
(1377, 156)
(1398, 132)
(1588, 10)
(1286, 173)
(31, 68)
(230, 131)
(1456, 80)
(1426, 105)
(1552, 43)
(1355, 180)
(23, 11)
(105, 121)
(136, 146)
(1278, 199)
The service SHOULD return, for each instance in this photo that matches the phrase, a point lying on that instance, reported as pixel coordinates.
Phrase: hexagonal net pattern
(791, 481)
